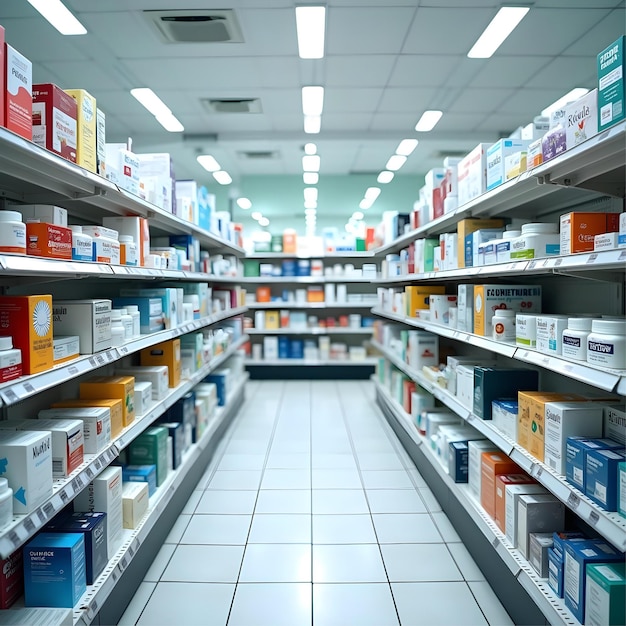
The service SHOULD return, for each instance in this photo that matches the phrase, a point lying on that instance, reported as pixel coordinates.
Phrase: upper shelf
(349, 254)
(32, 174)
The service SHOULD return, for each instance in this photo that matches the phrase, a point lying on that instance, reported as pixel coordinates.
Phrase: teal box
(459, 457)
(491, 384)
(176, 431)
(576, 450)
(141, 474)
(611, 84)
(601, 479)
(150, 448)
(54, 570)
(429, 254)
(606, 595)
(621, 489)
(190, 245)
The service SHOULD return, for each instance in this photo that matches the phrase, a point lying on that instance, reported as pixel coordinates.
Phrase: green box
(277, 243)
(611, 94)
(150, 448)
(262, 246)
(606, 594)
(251, 268)
(621, 489)
(360, 245)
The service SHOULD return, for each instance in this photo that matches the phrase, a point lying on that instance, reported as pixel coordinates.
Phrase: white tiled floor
(312, 514)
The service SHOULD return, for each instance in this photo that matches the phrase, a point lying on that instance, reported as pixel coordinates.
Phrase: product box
(458, 465)
(93, 527)
(562, 537)
(3, 81)
(515, 164)
(491, 383)
(549, 331)
(467, 227)
(176, 432)
(539, 544)
(615, 423)
(11, 579)
(578, 556)
(125, 164)
(112, 387)
(54, 120)
(104, 493)
(157, 375)
(611, 92)
(465, 308)
(143, 396)
(141, 474)
(54, 570)
(150, 448)
(48, 241)
(578, 230)
(65, 348)
(601, 476)
(526, 330)
(553, 143)
(472, 174)
(135, 227)
(30, 321)
(605, 590)
(488, 298)
(534, 155)
(86, 128)
(576, 449)
(476, 449)
(605, 241)
(49, 213)
(502, 482)
(135, 503)
(474, 241)
(18, 99)
(101, 152)
(417, 297)
(537, 513)
(512, 494)
(504, 416)
(150, 310)
(96, 422)
(492, 464)
(564, 420)
(555, 573)
(89, 319)
(422, 349)
(581, 119)
(169, 298)
(167, 354)
(221, 379)
(465, 385)
(496, 157)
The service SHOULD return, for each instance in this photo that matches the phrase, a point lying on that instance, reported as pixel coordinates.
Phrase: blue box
(577, 555)
(575, 450)
(93, 526)
(560, 538)
(54, 570)
(303, 267)
(140, 474)
(296, 349)
(176, 431)
(149, 310)
(283, 347)
(220, 383)
(288, 268)
(491, 384)
(601, 476)
(191, 246)
(555, 572)
(184, 412)
(459, 457)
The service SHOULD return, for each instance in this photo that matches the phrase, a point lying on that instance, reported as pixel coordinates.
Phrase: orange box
(467, 227)
(115, 406)
(502, 481)
(417, 297)
(408, 387)
(165, 353)
(263, 294)
(493, 464)
(578, 230)
(290, 240)
(28, 319)
(18, 97)
(86, 129)
(48, 240)
(272, 320)
(112, 387)
(315, 294)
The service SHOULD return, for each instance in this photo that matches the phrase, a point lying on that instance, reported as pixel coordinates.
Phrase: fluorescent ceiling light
(170, 123)
(310, 27)
(311, 163)
(310, 148)
(365, 204)
(310, 205)
(406, 146)
(372, 193)
(500, 27)
(428, 121)
(310, 212)
(385, 177)
(151, 101)
(310, 194)
(310, 219)
(244, 203)
(312, 100)
(395, 162)
(264, 222)
(574, 94)
(312, 124)
(256, 215)
(59, 16)
(222, 177)
(357, 215)
(310, 178)
(208, 163)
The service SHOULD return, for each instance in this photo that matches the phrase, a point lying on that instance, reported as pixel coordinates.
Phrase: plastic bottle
(82, 244)
(606, 345)
(6, 503)
(12, 232)
(133, 311)
(128, 250)
(10, 360)
(574, 338)
(118, 332)
(503, 324)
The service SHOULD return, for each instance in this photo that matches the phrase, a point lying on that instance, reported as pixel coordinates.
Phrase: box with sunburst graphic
(28, 320)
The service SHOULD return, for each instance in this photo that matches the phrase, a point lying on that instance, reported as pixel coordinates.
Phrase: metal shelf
(309, 363)
(307, 280)
(310, 305)
(311, 331)
(348, 254)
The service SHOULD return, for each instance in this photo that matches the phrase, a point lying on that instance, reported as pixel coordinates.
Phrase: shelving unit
(311, 331)
(311, 362)
(347, 306)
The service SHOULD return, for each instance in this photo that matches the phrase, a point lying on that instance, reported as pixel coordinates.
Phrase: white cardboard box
(511, 496)
(496, 155)
(89, 319)
(474, 463)
(143, 396)
(158, 375)
(472, 174)
(135, 503)
(96, 424)
(581, 119)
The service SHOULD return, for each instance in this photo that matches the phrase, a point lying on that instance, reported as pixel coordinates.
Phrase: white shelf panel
(309, 363)
(309, 305)
(312, 331)
(305, 280)
(347, 254)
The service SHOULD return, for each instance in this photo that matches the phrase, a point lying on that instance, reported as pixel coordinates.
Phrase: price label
(124, 562)
(48, 509)
(114, 576)
(72, 370)
(75, 485)
(573, 501)
(92, 362)
(29, 526)
(42, 516)
(123, 350)
(496, 542)
(594, 518)
(89, 473)
(532, 265)
(100, 360)
(558, 262)
(592, 258)
(97, 464)
(131, 552)
(539, 472)
(64, 497)
(14, 538)
(11, 395)
(29, 388)
(93, 607)
(622, 256)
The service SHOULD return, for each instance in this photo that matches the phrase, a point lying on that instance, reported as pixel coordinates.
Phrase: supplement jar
(10, 360)
(128, 250)
(574, 338)
(12, 232)
(503, 324)
(606, 345)
(118, 332)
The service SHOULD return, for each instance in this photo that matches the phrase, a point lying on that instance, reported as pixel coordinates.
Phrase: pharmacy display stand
(31, 174)
(593, 172)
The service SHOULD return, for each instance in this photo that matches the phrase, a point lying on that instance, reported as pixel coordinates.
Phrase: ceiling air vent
(258, 155)
(198, 26)
(232, 105)
(442, 154)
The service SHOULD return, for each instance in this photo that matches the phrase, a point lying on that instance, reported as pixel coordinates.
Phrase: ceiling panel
(363, 70)
(496, 72)
(413, 70)
(342, 122)
(82, 74)
(459, 122)
(351, 100)
(563, 73)
(406, 100)
(605, 32)
(480, 100)
(401, 123)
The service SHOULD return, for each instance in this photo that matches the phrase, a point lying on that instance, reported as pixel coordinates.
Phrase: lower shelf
(308, 363)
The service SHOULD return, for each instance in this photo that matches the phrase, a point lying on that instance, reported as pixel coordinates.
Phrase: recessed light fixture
(385, 177)
(500, 27)
(310, 28)
(209, 163)
(222, 177)
(372, 193)
(357, 215)
(264, 222)
(312, 124)
(310, 211)
(310, 194)
(574, 94)
(312, 100)
(406, 147)
(311, 163)
(256, 215)
(310, 204)
(310, 178)
(395, 162)
(365, 204)
(158, 108)
(59, 16)
(310, 148)
(244, 203)
(428, 121)
(170, 123)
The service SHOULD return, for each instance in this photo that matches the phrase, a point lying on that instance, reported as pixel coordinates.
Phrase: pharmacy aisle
(312, 513)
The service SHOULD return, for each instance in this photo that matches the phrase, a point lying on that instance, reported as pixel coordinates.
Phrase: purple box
(553, 143)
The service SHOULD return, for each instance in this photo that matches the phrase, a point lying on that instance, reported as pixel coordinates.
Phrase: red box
(54, 120)
(18, 74)
(3, 83)
(408, 387)
(492, 465)
(48, 240)
(11, 579)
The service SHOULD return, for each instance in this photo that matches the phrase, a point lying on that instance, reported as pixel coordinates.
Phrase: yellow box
(166, 353)
(115, 406)
(416, 297)
(85, 129)
(467, 227)
(28, 319)
(117, 387)
(272, 320)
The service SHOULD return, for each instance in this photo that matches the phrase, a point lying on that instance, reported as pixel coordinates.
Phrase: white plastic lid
(126, 239)
(10, 216)
(579, 323)
(116, 314)
(511, 234)
(187, 306)
(609, 327)
(6, 343)
(504, 313)
(76, 228)
(124, 311)
(542, 228)
(132, 308)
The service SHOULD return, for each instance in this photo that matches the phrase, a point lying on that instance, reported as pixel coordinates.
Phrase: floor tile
(217, 530)
(379, 461)
(395, 501)
(272, 604)
(330, 529)
(137, 604)
(465, 562)
(159, 564)
(199, 604)
(405, 528)
(490, 604)
(339, 501)
(348, 564)
(241, 462)
(235, 479)
(286, 479)
(178, 529)
(227, 502)
(276, 563)
(386, 479)
(445, 527)
(416, 562)
(353, 605)
(284, 501)
(270, 528)
(290, 446)
(431, 502)
(335, 479)
(429, 603)
(288, 460)
(211, 564)
(333, 460)
(243, 446)
(192, 503)
(416, 477)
